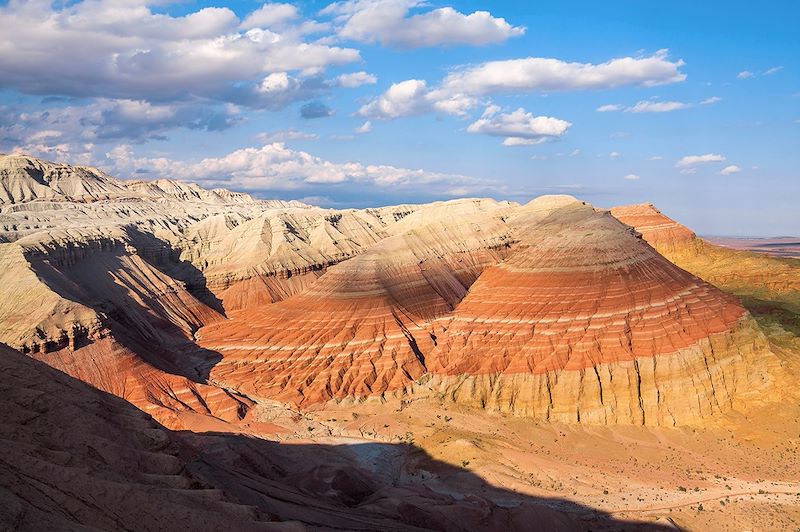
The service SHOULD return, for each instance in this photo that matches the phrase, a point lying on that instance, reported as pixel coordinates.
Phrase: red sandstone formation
(186, 301)
(745, 273)
(585, 322)
(360, 329)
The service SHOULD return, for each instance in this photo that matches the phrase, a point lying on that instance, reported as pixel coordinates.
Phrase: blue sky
(693, 106)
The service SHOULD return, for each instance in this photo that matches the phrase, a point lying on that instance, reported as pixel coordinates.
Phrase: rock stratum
(766, 284)
(186, 301)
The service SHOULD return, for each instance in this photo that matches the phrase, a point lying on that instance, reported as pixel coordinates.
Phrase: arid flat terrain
(786, 246)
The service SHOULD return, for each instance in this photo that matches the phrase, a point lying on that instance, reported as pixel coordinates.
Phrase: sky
(692, 106)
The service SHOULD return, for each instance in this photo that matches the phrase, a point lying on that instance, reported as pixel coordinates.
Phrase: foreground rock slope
(76, 458)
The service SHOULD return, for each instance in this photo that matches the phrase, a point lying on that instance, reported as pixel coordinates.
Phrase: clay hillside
(368, 341)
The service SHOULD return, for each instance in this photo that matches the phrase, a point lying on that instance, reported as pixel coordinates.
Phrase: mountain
(178, 358)
(766, 284)
(185, 301)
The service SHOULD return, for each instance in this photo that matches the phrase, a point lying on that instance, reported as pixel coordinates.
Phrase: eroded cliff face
(364, 327)
(186, 301)
(562, 313)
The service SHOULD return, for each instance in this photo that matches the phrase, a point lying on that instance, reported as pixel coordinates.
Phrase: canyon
(280, 365)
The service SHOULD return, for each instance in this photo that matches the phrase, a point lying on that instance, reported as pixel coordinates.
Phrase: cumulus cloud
(356, 79)
(315, 110)
(744, 74)
(693, 160)
(107, 120)
(544, 74)
(269, 15)
(462, 89)
(631, 177)
(390, 23)
(732, 169)
(519, 128)
(406, 98)
(614, 155)
(125, 50)
(276, 167)
(366, 127)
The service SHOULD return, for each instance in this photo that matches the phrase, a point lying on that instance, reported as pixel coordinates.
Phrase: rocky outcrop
(25, 179)
(553, 310)
(743, 273)
(192, 301)
(362, 328)
(585, 322)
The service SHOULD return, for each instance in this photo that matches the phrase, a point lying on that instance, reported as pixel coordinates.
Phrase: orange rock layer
(359, 330)
(564, 313)
(743, 273)
(579, 290)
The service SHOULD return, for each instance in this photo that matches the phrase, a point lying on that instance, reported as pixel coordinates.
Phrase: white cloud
(689, 171)
(609, 108)
(389, 22)
(276, 167)
(656, 107)
(543, 74)
(744, 74)
(412, 97)
(575, 153)
(284, 135)
(270, 15)
(519, 128)
(401, 99)
(646, 106)
(366, 127)
(773, 70)
(461, 90)
(125, 50)
(656, 158)
(106, 120)
(732, 169)
(631, 177)
(692, 160)
(614, 155)
(356, 79)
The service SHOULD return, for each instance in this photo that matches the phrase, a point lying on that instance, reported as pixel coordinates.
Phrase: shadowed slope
(76, 458)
